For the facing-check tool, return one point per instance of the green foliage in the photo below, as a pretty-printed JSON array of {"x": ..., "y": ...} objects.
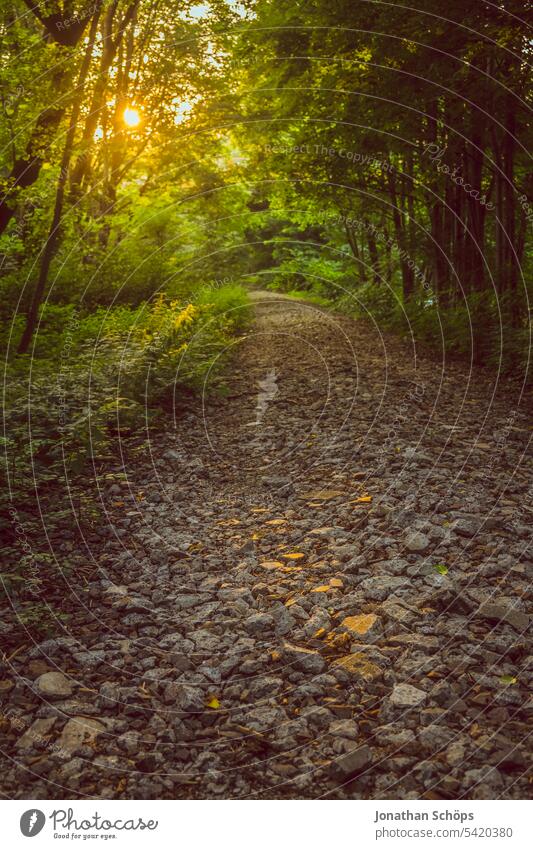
[
  {"x": 175, "y": 344},
  {"x": 94, "y": 375},
  {"x": 309, "y": 297}
]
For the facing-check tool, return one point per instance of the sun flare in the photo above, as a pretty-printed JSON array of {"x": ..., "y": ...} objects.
[{"x": 132, "y": 117}]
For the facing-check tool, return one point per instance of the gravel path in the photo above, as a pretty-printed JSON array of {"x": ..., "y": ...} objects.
[{"x": 314, "y": 586}]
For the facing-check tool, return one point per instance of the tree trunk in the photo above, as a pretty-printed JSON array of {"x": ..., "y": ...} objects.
[
  {"x": 408, "y": 277},
  {"x": 53, "y": 235},
  {"x": 373, "y": 252},
  {"x": 352, "y": 241}
]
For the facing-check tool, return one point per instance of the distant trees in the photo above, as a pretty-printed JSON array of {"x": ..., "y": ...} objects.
[{"x": 427, "y": 115}]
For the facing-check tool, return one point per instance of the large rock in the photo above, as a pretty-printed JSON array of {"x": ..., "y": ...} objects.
[
  {"x": 36, "y": 733},
  {"x": 467, "y": 526},
  {"x": 78, "y": 731},
  {"x": 358, "y": 667},
  {"x": 305, "y": 660},
  {"x": 54, "y": 685},
  {"x": 187, "y": 698},
  {"x": 365, "y": 628},
  {"x": 406, "y": 696},
  {"x": 401, "y": 739},
  {"x": 382, "y": 586},
  {"x": 502, "y": 610},
  {"x": 345, "y": 728},
  {"x": 259, "y": 623},
  {"x": 265, "y": 718},
  {"x": 352, "y": 763},
  {"x": 417, "y": 542}
]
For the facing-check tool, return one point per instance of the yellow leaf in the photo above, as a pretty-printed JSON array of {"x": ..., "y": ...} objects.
[
  {"x": 336, "y": 582},
  {"x": 296, "y": 555},
  {"x": 364, "y": 499},
  {"x": 213, "y": 703},
  {"x": 276, "y": 522},
  {"x": 323, "y": 589}
]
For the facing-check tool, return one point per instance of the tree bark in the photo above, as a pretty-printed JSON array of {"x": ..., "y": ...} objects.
[{"x": 53, "y": 235}]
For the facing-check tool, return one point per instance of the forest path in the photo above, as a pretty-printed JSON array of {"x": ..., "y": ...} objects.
[{"x": 312, "y": 587}]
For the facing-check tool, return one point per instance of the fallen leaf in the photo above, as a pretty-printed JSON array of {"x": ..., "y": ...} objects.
[
  {"x": 295, "y": 555},
  {"x": 336, "y": 582},
  {"x": 213, "y": 703}
]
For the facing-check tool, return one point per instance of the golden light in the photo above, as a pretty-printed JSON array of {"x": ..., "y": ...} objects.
[{"x": 132, "y": 117}]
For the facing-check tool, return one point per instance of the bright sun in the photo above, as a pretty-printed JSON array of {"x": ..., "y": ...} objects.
[{"x": 131, "y": 117}]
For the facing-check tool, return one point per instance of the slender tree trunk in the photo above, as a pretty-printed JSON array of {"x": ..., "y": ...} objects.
[
  {"x": 509, "y": 222},
  {"x": 352, "y": 241},
  {"x": 53, "y": 235},
  {"x": 373, "y": 252},
  {"x": 407, "y": 273}
]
